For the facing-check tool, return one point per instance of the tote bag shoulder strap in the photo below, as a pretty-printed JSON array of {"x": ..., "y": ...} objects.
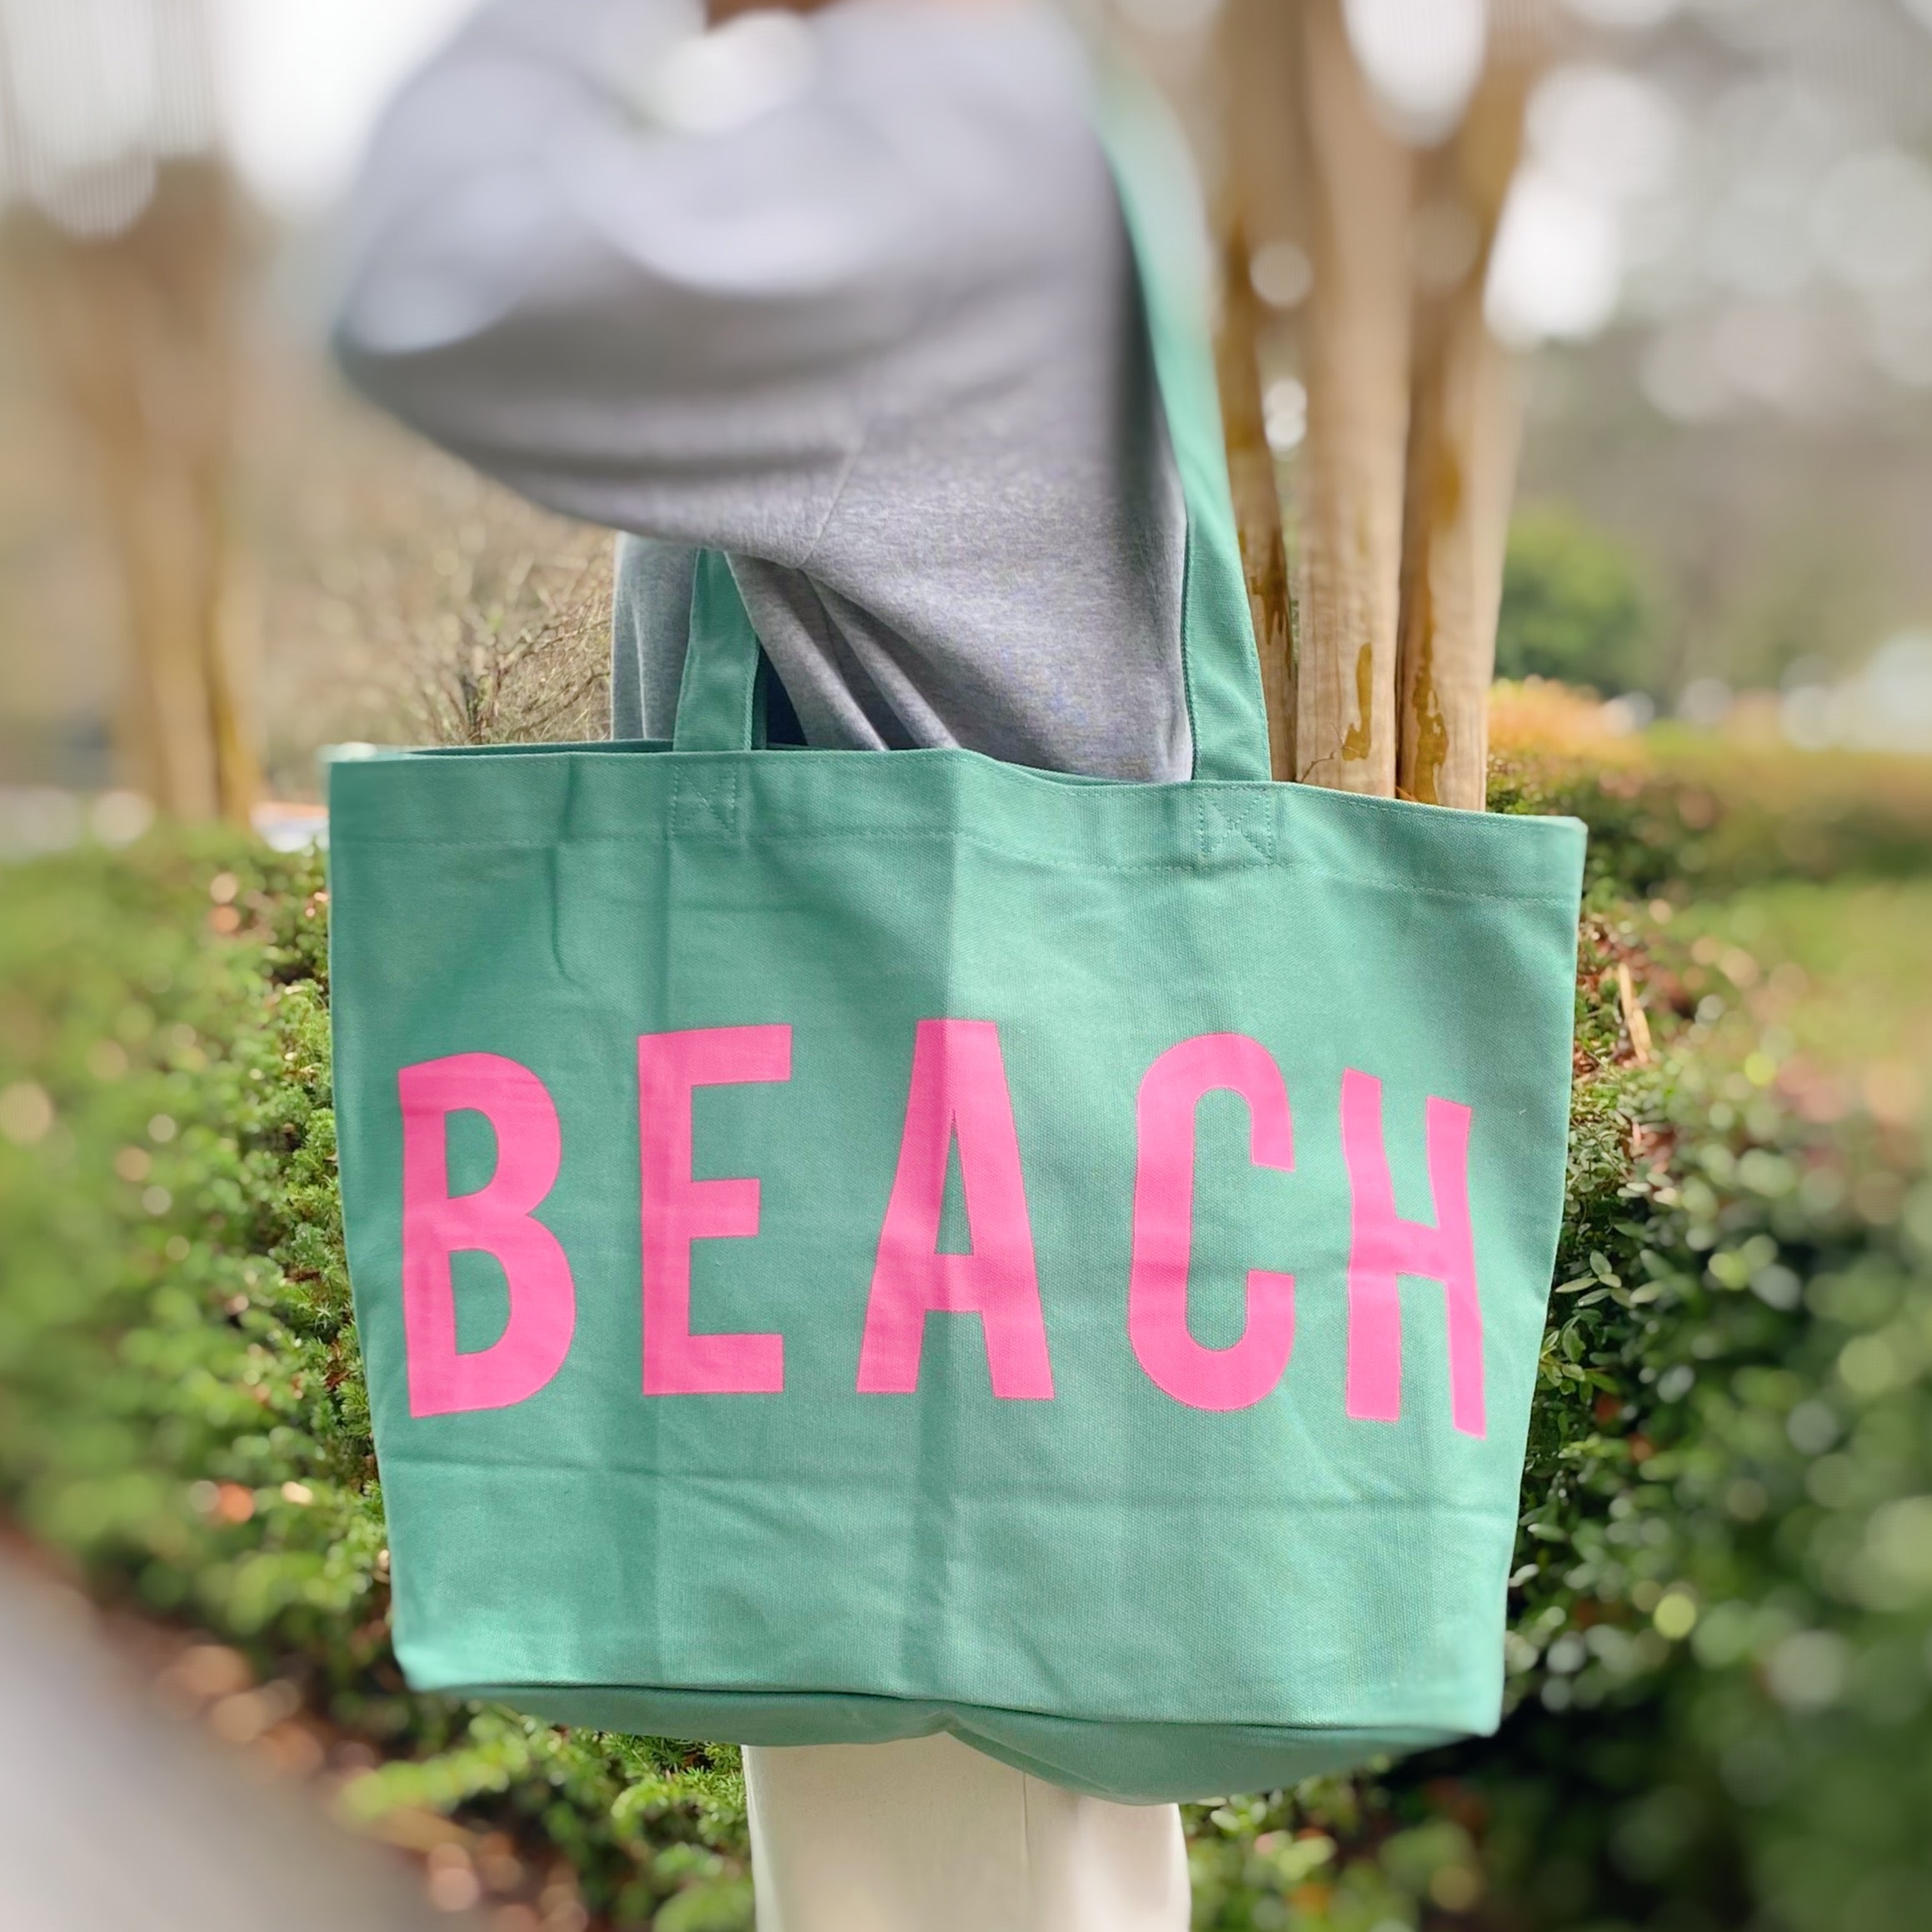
[
  {"x": 721, "y": 697},
  {"x": 720, "y": 703},
  {"x": 1160, "y": 200}
]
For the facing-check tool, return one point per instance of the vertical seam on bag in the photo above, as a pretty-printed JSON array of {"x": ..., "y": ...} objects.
[{"x": 1187, "y": 629}]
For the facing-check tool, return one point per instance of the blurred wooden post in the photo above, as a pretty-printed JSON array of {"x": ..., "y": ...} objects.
[
  {"x": 1260, "y": 198},
  {"x": 1464, "y": 425},
  {"x": 1257, "y": 503},
  {"x": 125, "y": 265},
  {"x": 1402, "y": 486},
  {"x": 1348, "y": 205},
  {"x": 1349, "y": 494},
  {"x": 135, "y": 326}
]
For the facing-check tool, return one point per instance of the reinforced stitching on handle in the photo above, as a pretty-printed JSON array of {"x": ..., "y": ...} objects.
[
  {"x": 1235, "y": 826},
  {"x": 705, "y": 803}
]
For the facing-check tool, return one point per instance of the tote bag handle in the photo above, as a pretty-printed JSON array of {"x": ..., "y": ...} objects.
[{"x": 720, "y": 698}]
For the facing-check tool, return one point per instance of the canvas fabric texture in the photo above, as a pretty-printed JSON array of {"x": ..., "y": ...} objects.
[{"x": 854, "y": 1244}]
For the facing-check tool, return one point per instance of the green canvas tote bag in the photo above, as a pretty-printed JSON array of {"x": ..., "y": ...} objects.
[{"x": 850, "y": 1245}]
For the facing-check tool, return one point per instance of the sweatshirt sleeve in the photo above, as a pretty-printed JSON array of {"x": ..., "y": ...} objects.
[{"x": 660, "y": 280}]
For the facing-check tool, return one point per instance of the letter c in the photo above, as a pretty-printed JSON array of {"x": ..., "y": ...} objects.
[{"x": 1238, "y": 1377}]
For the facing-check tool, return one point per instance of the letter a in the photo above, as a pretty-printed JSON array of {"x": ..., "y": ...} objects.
[
  {"x": 958, "y": 1092},
  {"x": 495, "y": 1220},
  {"x": 1384, "y": 1246},
  {"x": 678, "y": 1211},
  {"x": 1238, "y": 1377}
]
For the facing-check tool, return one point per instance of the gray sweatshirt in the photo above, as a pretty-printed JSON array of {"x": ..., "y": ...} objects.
[{"x": 847, "y": 298}]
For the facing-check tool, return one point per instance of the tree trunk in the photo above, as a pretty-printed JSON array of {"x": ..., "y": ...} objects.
[
  {"x": 1257, "y": 501},
  {"x": 1349, "y": 474},
  {"x": 1402, "y": 486},
  {"x": 1463, "y": 432},
  {"x": 1260, "y": 199},
  {"x": 136, "y": 328}
]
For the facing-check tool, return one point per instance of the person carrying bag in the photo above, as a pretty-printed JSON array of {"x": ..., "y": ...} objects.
[{"x": 865, "y": 1247}]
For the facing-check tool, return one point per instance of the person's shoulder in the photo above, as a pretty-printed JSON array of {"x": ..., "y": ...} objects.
[
  {"x": 1018, "y": 59},
  {"x": 987, "y": 109}
]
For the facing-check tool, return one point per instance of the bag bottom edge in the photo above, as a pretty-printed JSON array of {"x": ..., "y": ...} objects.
[{"x": 1138, "y": 1761}]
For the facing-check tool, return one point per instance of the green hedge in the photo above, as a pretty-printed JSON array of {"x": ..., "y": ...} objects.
[
  {"x": 1719, "y": 1616},
  {"x": 184, "y": 1410},
  {"x": 1687, "y": 811}
]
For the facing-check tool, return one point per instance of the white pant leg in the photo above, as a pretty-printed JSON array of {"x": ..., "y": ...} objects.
[{"x": 929, "y": 1836}]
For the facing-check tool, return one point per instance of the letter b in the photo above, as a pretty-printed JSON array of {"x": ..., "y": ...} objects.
[{"x": 495, "y": 1220}]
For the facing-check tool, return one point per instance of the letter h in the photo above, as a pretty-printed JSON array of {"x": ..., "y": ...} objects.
[{"x": 1383, "y": 1246}]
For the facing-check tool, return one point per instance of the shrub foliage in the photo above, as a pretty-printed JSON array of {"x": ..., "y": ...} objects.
[
  {"x": 1718, "y": 1650},
  {"x": 1573, "y": 606}
]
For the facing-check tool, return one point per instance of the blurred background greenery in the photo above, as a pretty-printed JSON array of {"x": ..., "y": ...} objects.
[
  {"x": 1718, "y": 253},
  {"x": 1721, "y": 1647}
]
